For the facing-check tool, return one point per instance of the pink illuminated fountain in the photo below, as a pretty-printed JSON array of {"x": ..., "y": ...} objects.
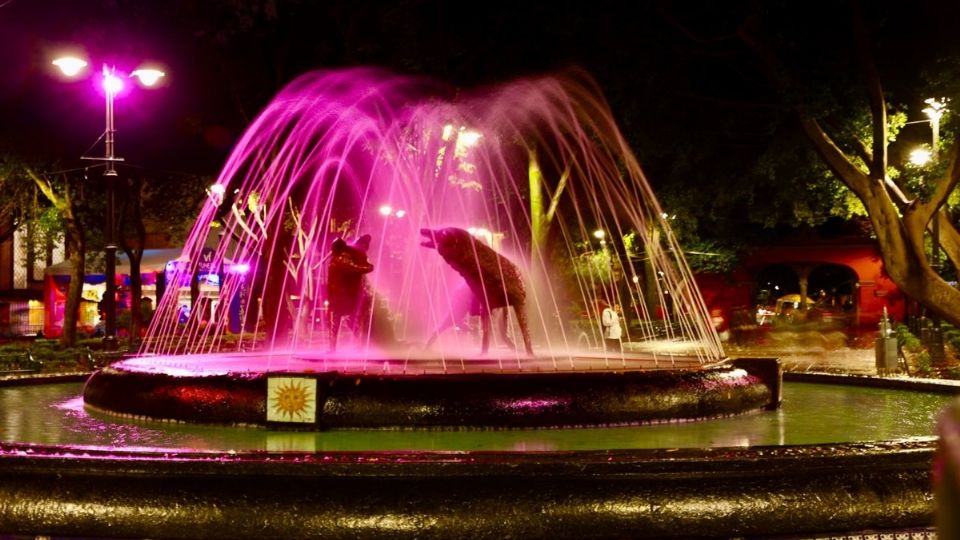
[{"x": 346, "y": 182}]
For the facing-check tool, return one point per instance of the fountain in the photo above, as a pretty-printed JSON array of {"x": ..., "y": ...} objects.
[
  {"x": 409, "y": 283},
  {"x": 371, "y": 211}
]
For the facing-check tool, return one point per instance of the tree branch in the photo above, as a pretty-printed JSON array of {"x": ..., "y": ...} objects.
[
  {"x": 878, "y": 105},
  {"x": 945, "y": 186},
  {"x": 860, "y": 149},
  {"x": 833, "y": 156}
]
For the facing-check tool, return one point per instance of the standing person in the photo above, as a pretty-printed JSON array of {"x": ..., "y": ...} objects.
[
  {"x": 611, "y": 328},
  {"x": 720, "y": 324}
]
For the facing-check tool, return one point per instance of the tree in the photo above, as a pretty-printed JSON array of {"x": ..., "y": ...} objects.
[
  {"x": 162, "y": 200},
  {"x": 62, "y": 210},
  {"x": 68, "y": 201},
  {"x": 861, "y": 162}
]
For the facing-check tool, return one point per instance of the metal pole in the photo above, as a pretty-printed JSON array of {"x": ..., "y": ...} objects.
[
  {"x": 110, "y": 246},
  {"x": 936, "y": 334}
]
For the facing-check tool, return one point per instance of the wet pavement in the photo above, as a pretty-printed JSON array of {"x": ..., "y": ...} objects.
[{"x": 812, "y": 359}]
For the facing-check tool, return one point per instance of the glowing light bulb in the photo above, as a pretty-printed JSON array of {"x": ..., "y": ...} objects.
[
  {"x": 447, "y": 132},
  {"x": 469, "y": 138},
  {"x": 111, "y": 83},
  {"x": 936, "y": 108},
  {"x": 385, "y": 210},
  {"x": 920, "y": 157},
  {"x": 148, "y": 76},
  {"x": 70, "y": 65}
]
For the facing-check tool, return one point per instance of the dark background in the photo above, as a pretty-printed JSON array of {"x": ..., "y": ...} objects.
[{"x": 693, "y": 101}]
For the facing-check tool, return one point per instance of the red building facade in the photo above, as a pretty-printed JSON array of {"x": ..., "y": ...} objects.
[{"x": 860, "y": 286}]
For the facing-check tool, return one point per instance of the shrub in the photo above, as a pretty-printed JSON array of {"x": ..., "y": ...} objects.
[
  {"x": 924, "y": 365},
  {"x": 952, "y": 337},
  {"x": 906, "y": 339}
]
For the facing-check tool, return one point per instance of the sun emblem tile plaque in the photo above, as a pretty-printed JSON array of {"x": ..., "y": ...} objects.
[{"x": 291, "y": 399}]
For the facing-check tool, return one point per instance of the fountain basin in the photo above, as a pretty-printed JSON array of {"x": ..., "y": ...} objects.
[
  {"x": 129, "y": 484},
  {"x": 214, "y": 390},
  {"x": 606, "y": 494}
]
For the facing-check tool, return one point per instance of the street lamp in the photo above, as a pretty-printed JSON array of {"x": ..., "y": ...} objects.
[
  {"x": 112, "y": 82},
  {"x": 920, "y": 157},
  {"x": 935, "y": 110},
  {"x": 601, "y": 235}
]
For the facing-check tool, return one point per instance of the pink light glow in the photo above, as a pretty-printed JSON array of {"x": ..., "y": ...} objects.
[
  {"x": 240, "y": 268},
  {"x": 340, "y": 154},
  {"x": 111, "y": 83}
]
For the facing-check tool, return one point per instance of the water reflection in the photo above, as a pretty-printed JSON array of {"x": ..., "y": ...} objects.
[{"x": 812, "y": 414}]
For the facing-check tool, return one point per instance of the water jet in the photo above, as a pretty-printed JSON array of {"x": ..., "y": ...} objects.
[{"x": 542, "y": 434}]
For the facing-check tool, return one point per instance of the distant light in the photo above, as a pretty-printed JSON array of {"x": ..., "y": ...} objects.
[
  {"x": 400, "y": 213},
  {"x": 385, "y": 210},
  {"x": 635, "y": 279},
  {"x": 240, "y": 268},
  {"x": 111, "y": 83},
  {"x": 936, "y": 108},
  {"x": 664, "y": 215},
  {"x": 468, "y": 137},
  {"x": 447, "y": 132},
  {"x": 600, "y": 234},
  {"x": 70, "y": 65},
  {"x": 215, "y": 192},
  {"x": 148, "y": 76},
  {"x": 920, "y": 157},
  {"x": 482, "y": 233}
]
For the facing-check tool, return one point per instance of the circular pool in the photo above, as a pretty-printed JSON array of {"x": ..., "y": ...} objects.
[
  {"x": 812, "y": 414},
  {"x": 851, "y": 455}
]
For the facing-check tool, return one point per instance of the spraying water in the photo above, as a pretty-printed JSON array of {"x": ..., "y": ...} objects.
[{"x": 350, "y": 171}]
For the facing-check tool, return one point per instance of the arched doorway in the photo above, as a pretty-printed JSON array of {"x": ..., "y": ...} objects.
[
  {"x": 834, "y": 287},
  {"x": 773, "y": 283},
  {"x": 815, "y": 291}
]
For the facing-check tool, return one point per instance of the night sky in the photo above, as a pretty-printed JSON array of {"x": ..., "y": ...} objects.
[{"x": 675, "y": 75}]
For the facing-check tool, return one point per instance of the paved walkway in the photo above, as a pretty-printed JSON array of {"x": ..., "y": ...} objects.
[{"x": 838, "y": 360}]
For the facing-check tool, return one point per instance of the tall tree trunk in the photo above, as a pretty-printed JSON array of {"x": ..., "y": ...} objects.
[
  {"x": 899, "y": 221},
  {"x": 76, "y": 241},
  {"x": 132, "y": 216},
  {"x": 78, "y": 256}
]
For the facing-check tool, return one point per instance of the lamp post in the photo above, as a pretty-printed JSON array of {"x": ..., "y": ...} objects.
[
  {"x": 112, "y": 84},
  {"x": 605, "y": 252},
  {"x": 934, "y": 111}
]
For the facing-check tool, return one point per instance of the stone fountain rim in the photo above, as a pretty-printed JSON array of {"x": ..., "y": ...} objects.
[
  {"x": 672, "y": 492},
  {"x": 907, "y": 448}
]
